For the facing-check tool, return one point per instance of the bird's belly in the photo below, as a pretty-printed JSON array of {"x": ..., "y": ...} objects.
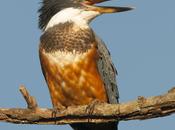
[{"x": 73, "y": 79}]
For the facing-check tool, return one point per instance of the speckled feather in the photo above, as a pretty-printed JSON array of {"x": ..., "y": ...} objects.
[{"x": 63, "y": 37}]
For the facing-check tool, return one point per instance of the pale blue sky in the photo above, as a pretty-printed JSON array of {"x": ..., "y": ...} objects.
[{"x": 142, "y": 44}]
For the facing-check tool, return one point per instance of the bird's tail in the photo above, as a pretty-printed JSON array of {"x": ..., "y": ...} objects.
[{"x": 90, "y": 126}]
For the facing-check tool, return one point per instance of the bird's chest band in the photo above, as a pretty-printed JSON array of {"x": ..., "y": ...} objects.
[{"x": 67, "y": 37}]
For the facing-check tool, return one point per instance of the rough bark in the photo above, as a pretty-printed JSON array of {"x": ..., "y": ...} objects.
[{"x": 139, "y": 109}]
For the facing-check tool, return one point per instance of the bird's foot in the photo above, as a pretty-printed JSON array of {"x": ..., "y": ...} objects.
[
  {"x": 90, "y": 108},
  {"x": 57, "y": 110}
]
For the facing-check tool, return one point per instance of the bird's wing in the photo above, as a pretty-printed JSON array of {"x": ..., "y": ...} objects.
[{"x": 107, "y": 71}]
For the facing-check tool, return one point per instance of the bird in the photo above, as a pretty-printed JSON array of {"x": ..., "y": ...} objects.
[{"x": 75, "y": 62}]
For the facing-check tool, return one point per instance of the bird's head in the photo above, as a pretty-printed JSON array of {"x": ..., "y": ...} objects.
[{"x": 64, "y": 10}]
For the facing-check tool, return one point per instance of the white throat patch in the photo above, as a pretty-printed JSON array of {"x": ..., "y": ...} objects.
[{"x": 78, "y": 16}]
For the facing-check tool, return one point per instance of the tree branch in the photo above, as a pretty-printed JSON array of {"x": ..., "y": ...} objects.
[{"x": 139, "y": 109}]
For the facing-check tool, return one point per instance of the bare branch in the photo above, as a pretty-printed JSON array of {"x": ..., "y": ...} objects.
[
  {"x": 139, "y": 109},
  {"x": 31, "y": 101}
]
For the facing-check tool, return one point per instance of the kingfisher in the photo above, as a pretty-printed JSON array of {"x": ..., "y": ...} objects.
[{"x": 75, "y": 62}]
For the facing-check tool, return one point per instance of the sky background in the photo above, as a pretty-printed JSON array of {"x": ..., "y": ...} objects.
[{"x": 142, "y": 44}]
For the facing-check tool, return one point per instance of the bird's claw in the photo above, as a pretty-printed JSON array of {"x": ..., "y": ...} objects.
[
  {"x": 90, "y": 108},
  {"x": 57, "y": 110}
]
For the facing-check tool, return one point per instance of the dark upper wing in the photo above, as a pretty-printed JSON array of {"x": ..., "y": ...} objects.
[{"x": 107, "y": 71}]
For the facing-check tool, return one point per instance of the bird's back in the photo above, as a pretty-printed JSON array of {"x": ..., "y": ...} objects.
[{"x": 107, "y": 71}]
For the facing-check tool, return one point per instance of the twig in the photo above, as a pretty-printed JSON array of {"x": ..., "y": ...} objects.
[
  {"x": 31, "y": 101},
  {"x": 139, "y": 109}
]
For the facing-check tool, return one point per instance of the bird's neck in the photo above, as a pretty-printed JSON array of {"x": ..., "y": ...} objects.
[{"x": 77, "y": 16}]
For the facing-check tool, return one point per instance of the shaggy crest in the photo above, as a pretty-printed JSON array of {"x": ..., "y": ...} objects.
[{"x": 50, "y": 7}]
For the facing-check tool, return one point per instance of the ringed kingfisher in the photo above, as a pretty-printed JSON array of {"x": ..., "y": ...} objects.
[{"x": 75, "y": 62}]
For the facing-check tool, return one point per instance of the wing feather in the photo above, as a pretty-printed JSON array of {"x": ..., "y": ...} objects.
[{"x": 107, "y": 71}]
